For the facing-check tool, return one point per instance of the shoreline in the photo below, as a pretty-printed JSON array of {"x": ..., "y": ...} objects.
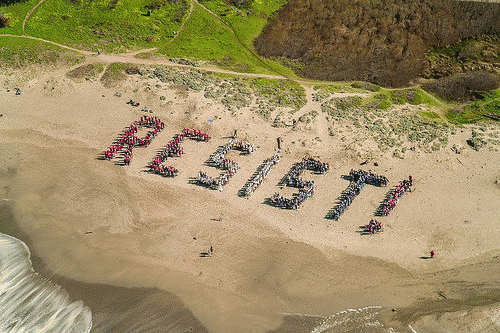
[
  {"x": 118, "y": 308},
  {"x": 113, "y": 308}
]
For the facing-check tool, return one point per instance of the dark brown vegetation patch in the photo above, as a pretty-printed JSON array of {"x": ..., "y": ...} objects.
[
  {"x": 470, "y": 54},
  {"x": 112, "y": 4},
  {"x": 157, "y": 4},
  {"x": 380, "y": 41},
  {"x": 117, "y": 72},
  {"x": 9, "y": 2},
  {"x": 4, "y": 20},
  {"x": 89, "y": 71},
  {"x": 132, "y": 70},
  {"x": 464, "y": 86},
  {"x": 239, "y": 3}
]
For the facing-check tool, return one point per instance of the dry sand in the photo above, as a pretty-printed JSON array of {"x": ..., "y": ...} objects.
[{"x": 147, "y": 231}]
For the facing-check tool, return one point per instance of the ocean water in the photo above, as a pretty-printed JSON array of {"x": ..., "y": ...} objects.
[{"x": 30, "y": 303}]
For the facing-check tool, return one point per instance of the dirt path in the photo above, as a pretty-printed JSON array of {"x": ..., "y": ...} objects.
[
  {"x": 310, "y": 104},
  {"x": 50, "y": 42},
  {"x": 183, "y": 23},
  {"x": 30, "y": 13},
  {"x": 131, "y": 58}
]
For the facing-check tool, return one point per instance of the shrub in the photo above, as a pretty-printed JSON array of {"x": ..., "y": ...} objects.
[
  {"x": 4, "y": 20},
  {"x": 112, "y": 4},
  {"x": 464, "y": 86},
  {"x": 476, "y": 143},
  {"x": 366, "y": 86},
  {"x": 240, "y": 3},
  {"x": 157, "y": 4},
  {"x": 9, "y": 2}
]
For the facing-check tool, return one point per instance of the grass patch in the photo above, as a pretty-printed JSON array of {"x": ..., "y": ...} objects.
[
  {"x": 413, "y": 96},
  {"x": 247, "y": 23},
  {"x": 429, "y": 114},
  {"x": 22, "y": 52},
  {"x": 486, "y": 98},
  {"x": 205, "y": 37},
  {"x": 122, "y": 25},
  {"x": 366, "y": 86},
  {"x": 487, "y": 105},
  {"x": 401, "y": 96},
  {"x": 16, "y": 14},
  {"x": 285, "y": 93},
  {"x": 109, "y": 25},
  {"x": 492, "y": 108},
  {"x": 332, "y": 88},
  {"x": 465, "y": 116},
  {"x": 384, "y": 105}
]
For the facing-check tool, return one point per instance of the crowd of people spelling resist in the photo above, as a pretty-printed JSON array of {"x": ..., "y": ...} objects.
[
  {"x": 261, "y": 174},
  {"x": 230, "y": 167},
  {"x": 173, "y": 149},
  {"x": 125, "y": 144},
  {"x": 358, "y": 179},
  {"x": 392, "y": 198},
  {"x": 292, "y": 178}
]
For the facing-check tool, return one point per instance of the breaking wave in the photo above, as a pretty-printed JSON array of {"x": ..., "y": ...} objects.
[
  {"x": 30, "y": 303},
  {"x": 354, "y": 320},
  {"x": 363, "y": 320}
]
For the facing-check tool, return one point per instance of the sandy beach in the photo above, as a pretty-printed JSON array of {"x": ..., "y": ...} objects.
[{"x": 91, "y": 222}]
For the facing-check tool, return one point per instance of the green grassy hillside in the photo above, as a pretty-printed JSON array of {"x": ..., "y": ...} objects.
[
  {"x": 223, "y": 36},
  {"x": 20, "y": 53},
  {"x": 109, "y": 25}
]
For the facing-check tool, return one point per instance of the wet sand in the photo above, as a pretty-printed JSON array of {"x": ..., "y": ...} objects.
[{"x": 114, "y": 309}]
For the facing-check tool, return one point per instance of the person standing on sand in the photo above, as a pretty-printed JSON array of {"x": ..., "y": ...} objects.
[{"x": 432, "y": 254}]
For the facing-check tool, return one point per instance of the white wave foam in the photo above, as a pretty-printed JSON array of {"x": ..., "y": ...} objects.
[
  {"x": 353, "y": 320},
  {"x": 30, "y": 303},
  {"x": 412, "y": 330}
]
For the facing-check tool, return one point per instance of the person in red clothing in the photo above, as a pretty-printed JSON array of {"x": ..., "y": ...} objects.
[{"x": 432, "y": 254}]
